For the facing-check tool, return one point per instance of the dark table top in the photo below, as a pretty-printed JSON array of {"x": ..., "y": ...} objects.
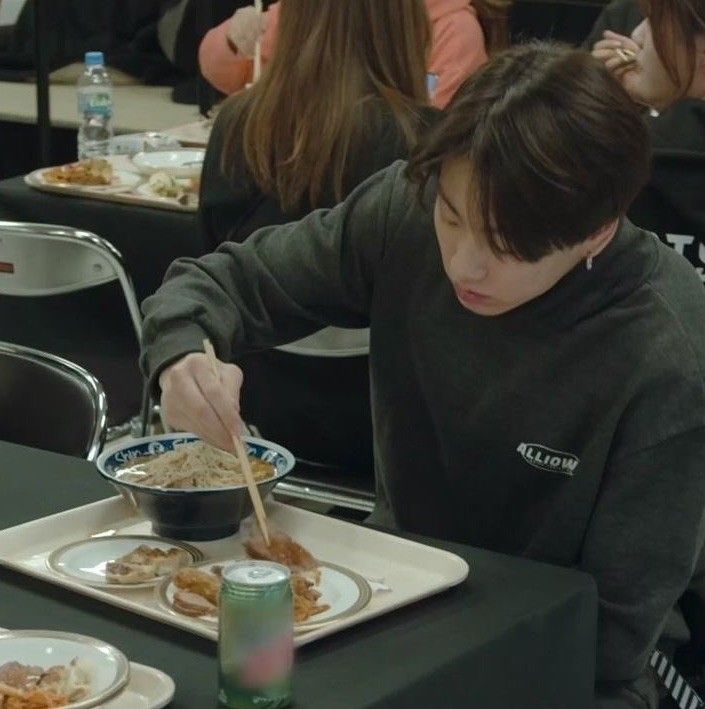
[{"x": 515, "y": 633}]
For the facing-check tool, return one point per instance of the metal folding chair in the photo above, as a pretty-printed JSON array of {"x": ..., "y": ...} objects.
[
  {"x": 45, "y": 260},
  {"x": 51, "y": 403}
]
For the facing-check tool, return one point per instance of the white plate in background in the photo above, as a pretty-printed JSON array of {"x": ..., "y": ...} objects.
[
  {"x": 149, "y": 688},
  {"x": 186, "y": 162},
  {"x": 123, "y": 181}
]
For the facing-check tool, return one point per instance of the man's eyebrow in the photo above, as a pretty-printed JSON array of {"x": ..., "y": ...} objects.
[{"x": 449, "y": 204}]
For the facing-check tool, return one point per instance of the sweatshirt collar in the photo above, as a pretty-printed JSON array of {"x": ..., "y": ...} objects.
[{"x": 620, "y": 269}]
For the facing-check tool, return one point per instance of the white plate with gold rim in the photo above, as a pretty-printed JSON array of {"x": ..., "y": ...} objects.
[
  {"x": 147, "y": 687},
  {"x": 86, "y": 561},
  {"x": 105, "y": 667},
  {"x": 344, "y": 591}
]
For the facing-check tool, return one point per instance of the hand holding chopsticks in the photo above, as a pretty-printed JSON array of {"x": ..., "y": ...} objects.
[{"x": 243, "y": 457}]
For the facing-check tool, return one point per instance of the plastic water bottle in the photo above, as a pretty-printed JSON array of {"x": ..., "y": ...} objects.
[
  {"x": 431, "y": 85},
  {"x": 95, "y": 108}
]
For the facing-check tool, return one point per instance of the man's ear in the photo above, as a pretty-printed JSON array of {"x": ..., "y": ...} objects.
[{"x": 599, "y": 240}]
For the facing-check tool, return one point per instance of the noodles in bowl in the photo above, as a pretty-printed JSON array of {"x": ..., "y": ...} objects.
[
  {"x": 192, "y": 465},
  {"x": 187, "y": 489}
]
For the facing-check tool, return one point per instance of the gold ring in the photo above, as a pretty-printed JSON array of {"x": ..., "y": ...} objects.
[{"x": 626, "y": 55}]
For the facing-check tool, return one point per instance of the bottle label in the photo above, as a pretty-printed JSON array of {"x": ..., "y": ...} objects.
[
  {"x": 268, "y": 662},
  {"x": 96, "y": 103}
]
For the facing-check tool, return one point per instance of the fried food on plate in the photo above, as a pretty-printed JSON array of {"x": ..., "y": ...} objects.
[
  {"x": 282, "y": 549},
  {"x": 95, "y": 172},
  {"x": 145, "y": 563},
  {"x": 199, "y": 582}
]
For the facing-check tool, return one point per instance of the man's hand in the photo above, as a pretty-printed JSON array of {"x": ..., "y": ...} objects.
[{"x": 195, "y": 399}]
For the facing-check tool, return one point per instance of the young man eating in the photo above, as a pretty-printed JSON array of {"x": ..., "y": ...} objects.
[{"x": 526, "y": 393}]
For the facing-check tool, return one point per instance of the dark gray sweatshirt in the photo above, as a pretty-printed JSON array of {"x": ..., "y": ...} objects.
[{"x": 570, "y": 430}]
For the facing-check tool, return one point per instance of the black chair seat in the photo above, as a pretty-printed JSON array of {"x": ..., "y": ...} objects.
[
  {"x": 49, "y": 403},
  {"x": 90, "y": 328}
]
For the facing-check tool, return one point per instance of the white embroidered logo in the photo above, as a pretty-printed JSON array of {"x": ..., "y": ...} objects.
[{"x": 548, "y": 459}]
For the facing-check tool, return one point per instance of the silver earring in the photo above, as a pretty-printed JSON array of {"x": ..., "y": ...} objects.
[{"x": 588, "y": 262}]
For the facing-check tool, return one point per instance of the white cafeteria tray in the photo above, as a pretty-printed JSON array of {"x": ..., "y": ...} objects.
[
  {"x": 413, "y": 571},
  {"x": 136, "y": 195}
]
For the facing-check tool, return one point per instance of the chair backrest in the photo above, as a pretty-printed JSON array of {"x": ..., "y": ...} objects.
[
  {"x": 45, "y": 259},
  {"x": 48, "y": 402}
]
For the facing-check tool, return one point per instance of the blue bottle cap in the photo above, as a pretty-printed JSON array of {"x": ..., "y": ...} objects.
[
  {"x": 95, "y": 59},
  {"x": 431, "y": 84}
]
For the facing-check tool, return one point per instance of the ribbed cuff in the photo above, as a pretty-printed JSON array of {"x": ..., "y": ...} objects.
[{"x": 169, "y": 347}]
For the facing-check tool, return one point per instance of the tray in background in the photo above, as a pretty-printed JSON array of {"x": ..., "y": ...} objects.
[{"x": 137, "y": 193}]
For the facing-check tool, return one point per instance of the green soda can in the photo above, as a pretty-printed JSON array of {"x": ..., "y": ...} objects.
[{"x": 256, "y": 636}]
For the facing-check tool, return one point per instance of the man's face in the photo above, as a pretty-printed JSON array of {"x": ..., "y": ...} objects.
[
  {"x": 649, "y": 79},
  {"x": 484, "y": 283}
]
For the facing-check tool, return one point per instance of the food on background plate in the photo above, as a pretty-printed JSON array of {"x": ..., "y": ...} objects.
[
  {"x": 32, "y": 687},
  {"x": 95, "y": 172},
  {"x": 192, "y": 465},
  {"x": 165, "y": 185},
  {"x": 144, "y": 564}
]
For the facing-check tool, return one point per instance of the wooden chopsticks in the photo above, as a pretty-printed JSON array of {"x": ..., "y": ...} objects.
[
  {"x": 257, "y": 66},
  {"x": 242, "y": 455}
]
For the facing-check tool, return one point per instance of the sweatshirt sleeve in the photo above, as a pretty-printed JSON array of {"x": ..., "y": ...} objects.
[
  {"x": 642, "y": 546},
  {"x": 281, "y": 284},
  {"x": 458, "y": 51},
  {"x": 224, "y": 68}
]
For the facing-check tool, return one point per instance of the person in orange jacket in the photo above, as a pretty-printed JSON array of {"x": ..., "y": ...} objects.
[{"x": 463, "y": 35}]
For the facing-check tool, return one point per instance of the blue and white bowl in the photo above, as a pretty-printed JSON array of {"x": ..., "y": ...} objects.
[{"x": 196, "y": 514}]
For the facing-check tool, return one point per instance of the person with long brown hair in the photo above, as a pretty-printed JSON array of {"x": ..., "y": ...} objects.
[
  {"x": 657, "y": 51},
  {"x": 464, "y": 33},
  {"x": 343, "y": 96},
  {"x": 664, "y": 59}
]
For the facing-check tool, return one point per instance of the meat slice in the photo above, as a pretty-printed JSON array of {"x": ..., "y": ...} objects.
[
  {"x": 192, "y": 604},
  {"x": 20, "y": 676},
  {"x": 282, "y": 549}
]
